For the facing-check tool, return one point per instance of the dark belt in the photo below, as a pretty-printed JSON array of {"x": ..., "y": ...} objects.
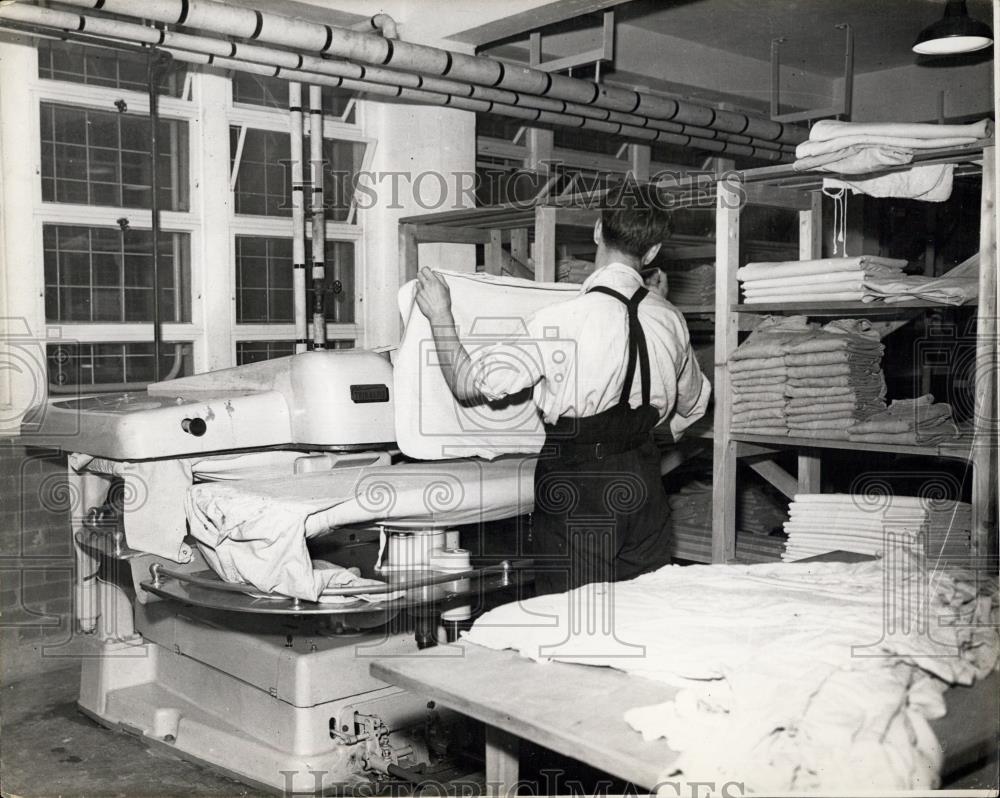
[{"x": 568, "y": 451}]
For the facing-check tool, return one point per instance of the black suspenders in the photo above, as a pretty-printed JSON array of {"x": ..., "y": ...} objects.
[{"x": 637, "y": 350}]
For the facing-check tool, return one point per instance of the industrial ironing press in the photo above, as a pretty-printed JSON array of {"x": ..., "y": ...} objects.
[{"x": 269, "y": 684}]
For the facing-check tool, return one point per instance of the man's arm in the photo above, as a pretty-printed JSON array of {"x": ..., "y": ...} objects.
[{"x": 434, "y": 300}]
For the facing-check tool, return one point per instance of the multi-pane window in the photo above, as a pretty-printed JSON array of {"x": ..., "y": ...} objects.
[
  {"x": 99, "y": 66},
  {"x": 105, "y": 274},
  {"x": 255, "y": 351},
  {"x": 273, "y": 93},
  {"x": 264, "y": 293},
  {"x": 113, "y": 364},
  {"x": 263, "y": 173},
  {"x": 92, "y": 157}
]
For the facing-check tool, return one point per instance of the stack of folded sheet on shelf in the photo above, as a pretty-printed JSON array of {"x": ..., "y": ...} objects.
[
  {"x": 875, "y": 525},
  {"x": 821, "y": 280},
  {"x": 858, "y": 148},
  {"x": 758, "y": 514},
  {"x": 692, "y": 286},
  {"x": 955, "y": 287},
  {"x": 794, "y": 378},
  {"x": 919, "y": 421}
]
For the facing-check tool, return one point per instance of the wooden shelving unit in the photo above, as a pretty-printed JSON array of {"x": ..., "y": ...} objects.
[
  {"x": 516, "y": 227},
  {"x": 977, "y": 447}
]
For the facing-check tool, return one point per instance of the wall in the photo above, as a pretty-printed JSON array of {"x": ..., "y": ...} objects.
[
  {"x": 36, "y": 561},
  {"x": 911, "y": 93},
  {"x": 422, "y": 157}
]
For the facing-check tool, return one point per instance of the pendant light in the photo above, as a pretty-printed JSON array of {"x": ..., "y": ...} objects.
[{"x": 955, "y": 32}]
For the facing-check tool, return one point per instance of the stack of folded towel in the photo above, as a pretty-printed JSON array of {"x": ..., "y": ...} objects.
[
  {"x": 794, "y": 378},
  {"x": 758, "y": 514},
  {"x": 692, "y": 286},
  {"x": 918, "y": 421},
  {"x": 822, "y": 280},
  {"x": 825, "y": 522},
  {"x": 856, "y": 148}
]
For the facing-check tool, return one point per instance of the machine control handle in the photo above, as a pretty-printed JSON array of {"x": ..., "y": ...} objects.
[{"x": 194, "y": 426}]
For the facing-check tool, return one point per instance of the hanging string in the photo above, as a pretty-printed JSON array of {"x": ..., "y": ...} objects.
[{"x": 839, "y": 197}]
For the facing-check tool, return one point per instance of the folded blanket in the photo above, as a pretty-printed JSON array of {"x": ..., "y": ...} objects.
[
  {"x": 760, "y": 430},
  {"x": 743, "y": 408},
  {"x": 827, "y": 129},
  {"x": 855, "y": 159},
  {"x": 758, "y": 396},
  {"x": 831, "y": 423},
  {"x": 854, "y": 360},
  {"x": 829, "y": 397},
  {"x": 798, "y": 393},
  {"x": 820, "y": 434},
  {"x": 757, "y": 364},
  {"x": 869, "y": 264},
  {"x": 768, "y": 414},
  {"x": 820, "y": 409},
  {"x": 808, "y": 148}
]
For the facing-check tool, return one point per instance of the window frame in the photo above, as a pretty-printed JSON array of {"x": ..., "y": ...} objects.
[
  {"x": 275, "y": 120},
  {"x": 209, "y": 274}
]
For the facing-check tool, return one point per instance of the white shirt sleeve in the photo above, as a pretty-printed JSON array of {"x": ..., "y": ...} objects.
[{"x": 693, "y": 393}]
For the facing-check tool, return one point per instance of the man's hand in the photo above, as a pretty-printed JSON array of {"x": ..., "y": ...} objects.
[{"x": 433, "y": 297}]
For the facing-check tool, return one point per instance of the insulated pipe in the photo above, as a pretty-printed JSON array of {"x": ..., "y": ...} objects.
[
  {"x": 298, "y": 217},
  {"x": 326, "y": 40},
  {"x": 496, "y": 101},
  {"x": 318, "y": 217},
  {"x": 465, "y": 104}
]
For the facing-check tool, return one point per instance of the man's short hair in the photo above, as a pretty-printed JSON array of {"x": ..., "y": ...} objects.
[{"x": 632, "y": 221}]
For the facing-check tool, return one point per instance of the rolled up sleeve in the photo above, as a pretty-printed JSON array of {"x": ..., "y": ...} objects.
[
  {"x": 502, "y": 369},
  {"x": 693, "y": 393}
]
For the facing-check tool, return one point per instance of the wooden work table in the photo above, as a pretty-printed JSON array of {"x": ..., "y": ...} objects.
[
  {"x": 574, "y": 710},
  {"x": 577, "y": 711}
]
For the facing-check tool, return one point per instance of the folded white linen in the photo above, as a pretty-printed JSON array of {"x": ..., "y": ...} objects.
[
  {"x": 804, "y": 279},
  {"x": 856, "y": 159},
  {"x": 831, "y": 287},
  {"x": 827, "y": 129},
  {"x": 807, "y": 148},
  {"x": 840, "y": 296},
  {"x": 869, "y": 264}
]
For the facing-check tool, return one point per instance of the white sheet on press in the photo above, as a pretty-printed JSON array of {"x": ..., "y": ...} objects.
[
  {"x": 255, "y": 531},
  {"x": 430, "y": 423},
  {"x": 776, "y": 693},
  {"x": 155, "y": 491}
]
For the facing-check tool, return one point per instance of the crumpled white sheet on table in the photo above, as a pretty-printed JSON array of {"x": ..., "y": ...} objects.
[{"x": 790, "y": 681}]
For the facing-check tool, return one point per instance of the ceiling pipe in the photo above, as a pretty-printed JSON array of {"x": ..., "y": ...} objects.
[
  {"x": 378, "y": 80},
  {"x": 328, "y": 40}
]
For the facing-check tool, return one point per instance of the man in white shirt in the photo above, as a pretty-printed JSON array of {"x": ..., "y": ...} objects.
[{"x": 600, "y": 509}]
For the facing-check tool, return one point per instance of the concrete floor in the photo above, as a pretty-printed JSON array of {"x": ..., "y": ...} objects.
[{"x": 49, "y": 748}]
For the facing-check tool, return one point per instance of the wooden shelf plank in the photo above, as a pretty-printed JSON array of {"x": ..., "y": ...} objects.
[{"x": 960, "y": 449}]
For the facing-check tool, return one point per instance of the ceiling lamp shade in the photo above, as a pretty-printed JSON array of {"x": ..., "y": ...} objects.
[{"x": 955, "y": 32}]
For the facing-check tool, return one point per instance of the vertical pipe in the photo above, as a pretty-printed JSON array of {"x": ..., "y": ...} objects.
[
  {"x": 318, "y": 217},
  {"x": 153, "y": 74},
  {"x": 298, "y": 217}
]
